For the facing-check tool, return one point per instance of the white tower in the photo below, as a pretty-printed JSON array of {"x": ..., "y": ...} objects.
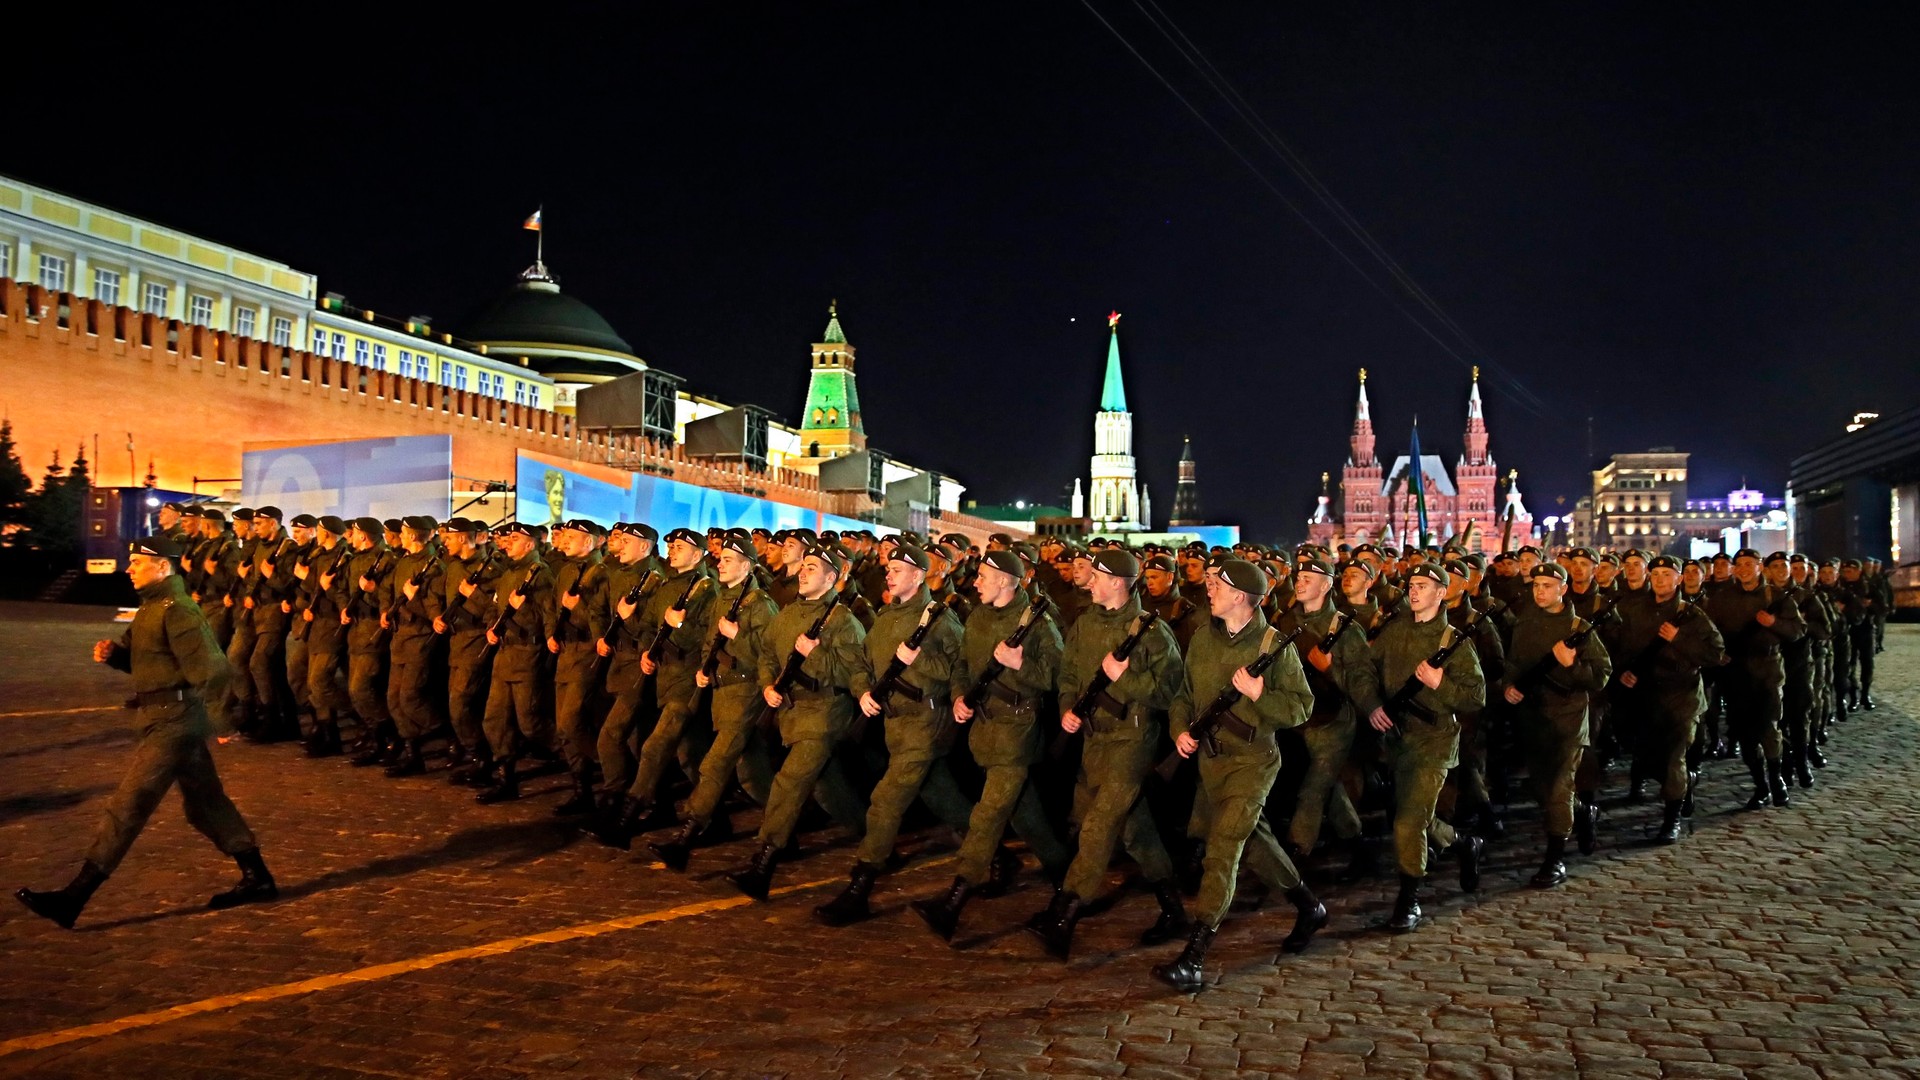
[{"x": 1113, "y": 496}]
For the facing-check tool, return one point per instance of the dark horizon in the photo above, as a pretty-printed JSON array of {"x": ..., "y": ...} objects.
[{"x": 1695, "y": 228}]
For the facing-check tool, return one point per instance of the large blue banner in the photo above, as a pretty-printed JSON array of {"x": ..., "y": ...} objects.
[
  {"x": 381, "y": 478},
  {"x": 550, "y": 490}
]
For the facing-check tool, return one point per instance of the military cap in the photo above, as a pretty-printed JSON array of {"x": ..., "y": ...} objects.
[
  {"x": 517, "y": 528},
  {"x": 1157, "y": 562},
  {"x": 191, "y": 510},
  {"x": 947, "y": 551},
  {"x": 1118, "y": 562},
  {"x": 1313, "y": 564},
  {"x": 1005, "y": 561},
  {"x": 421, "y": 523},
  {"x": 269, "y": 512},
  {"x": 762, "y": 531},
  {"x": 1245, "y": 577},
  {"x": 1719, "y": 555},
  {"x": 1003, "y": 539},
  {"x": 391, "y": 525},
  {"x": 1798, "y": 557},
  {"x": 740, "y": 544},
  {"x": 1431, "y": 571},
  {"x": 573, "y": 525},
  {"x": 1075, "y": 551},
  {"x": 160, "y": 547},
  {"x": 1583, "y": 553},
  {"x": 828, "y": 536},
  {"x": 956, "y": 538},
  {"x": 1458, "y": 568},
  {"x": 806, "y": 537},
  {"x": 1609, "y": 557},
  {"x": 1855, "y": 563},
  {"x": 1027, "y": 552},
  {"x": 1365, "y": 549},
  {"x": 1695, "y": 563},
  {"x": 211, "y": 514},
  {"x": 1357, "y": 564},
  {"x": 242, "y": 514},
  {"x": 1746, "y": 553},
  {"x": 304, "y": 521},
  {"x": 715, "y": 531},
  {"x": 457, "y": 525},
  {"x": 334, "y": 525},
  {"x": 372, "y": 526},
  {"x": 688, "y": 535},
  {"x": 1663, "y": 562},
  {"x": 1505, "y": 556},
  {"x": 1475, "y": 560},
  {"x": 640, "y": 529},
  {"x": 1634, "y": 553},
  {"x": 1549, "y": 569},
  {"x": 1389, "y": 551},
  {"x": 1534, "y": 549},
  {"x": 907, "y": 553},
  {"x": 1774, "y": 557},
  {"x": 829, "y": 555},
  {"x": 911, "y": 536}
]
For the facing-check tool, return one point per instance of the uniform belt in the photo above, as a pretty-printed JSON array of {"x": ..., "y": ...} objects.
[
  {"x": 730, "y": 678},
  {"x": 1002, "y": 694},
  {"x": 163, "y": 697},
  {"x": 1105, "y": 702},
  {"x": 909, "y": 691}
]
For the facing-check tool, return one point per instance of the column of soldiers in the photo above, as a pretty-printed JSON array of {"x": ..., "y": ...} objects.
[{"x": 1032, "y": 693}]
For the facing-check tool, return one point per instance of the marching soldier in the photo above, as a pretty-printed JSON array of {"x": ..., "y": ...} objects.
[
  {"x": 267, "y": 605},
  {"x": 1755, "y": 619},
  {"x": 458, "y": 607},
  {"x": 1123, "y": 732},
  {"x": 1344, "y": 686},
  {"x": 326, "y": 594},
  {"x": 519, "y": 624},
  {"x": 633, "y": 575},
  {"x": 1796, "y": 694},
  {"x": 735, "y": 635},
  {"x": 1428, "y": 732},
  {"x": 1549, "y": 678},
  {"x": 365, "y": 581},
  {"x": 1663, "y": 643},
  {"x": 1863, "y": 611},
  {"x": 414, "y": 652},
  {"x": 919, "y": 728},
  {"x": 177, "y": 668},
  {"x": 815, "y": 713},
  {"x": 579, "y": 619},
  {"x": 1242, "y": 759}
]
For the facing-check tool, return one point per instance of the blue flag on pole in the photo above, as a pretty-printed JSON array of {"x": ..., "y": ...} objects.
[{"x": 1419, "y": 481}]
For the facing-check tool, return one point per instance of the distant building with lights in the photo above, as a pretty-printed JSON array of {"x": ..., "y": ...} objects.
[{"x": 1641, "y": 500}]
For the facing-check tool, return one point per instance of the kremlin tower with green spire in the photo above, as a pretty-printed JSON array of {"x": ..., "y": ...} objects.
[
  {"x": 830, "y": 424},
  {"x": 1113, "y": 496}
]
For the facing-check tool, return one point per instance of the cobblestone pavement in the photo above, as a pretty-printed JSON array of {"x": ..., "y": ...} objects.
[{"x": 1778, "y": 944}]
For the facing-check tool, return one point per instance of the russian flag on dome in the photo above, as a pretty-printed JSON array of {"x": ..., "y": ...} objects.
[{"x": 532, "y": 222}]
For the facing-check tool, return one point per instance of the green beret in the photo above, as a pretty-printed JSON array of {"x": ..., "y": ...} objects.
[
  {"x": 159, "y": 547},
  {"x": 912, "y": 556},
  {"x": 334, "y": 525},
  {"x": 1116, "y": 561},
  {"x": 739, "y": 545},
  {"x": 1312, "y": 564},
  {"x": 1245, "y": 577},
  {"x": 1431, "y": 571},
  {"x": 1667, "y": 562},
  {"x": 1006, "y": 562},
  {"x": 1550, "y": 569}
]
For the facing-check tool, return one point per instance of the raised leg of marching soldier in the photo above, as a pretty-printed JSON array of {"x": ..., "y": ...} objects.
[
  {"x": 1199, "y": 824},
  {"x": 577, "y": 684},
  {"x": 1753, "y": 719},
  {"x": 1553, "y": 760},
  {"x": 511, "y": 705},
  {"x": 678, "y": 734},
  {"x": 737, "y": 751},
  {"x": 1862, "y": 647},
  {"x": 1822, "y": 716},
  {"x": 1113, "y": 769},
  {"x": 266, "y": 666},
  {"x": 1419, "y": 759},
  {"x": 414, "y": 716},
  {"x": 299, "y": 695},
  {"x": 617, "y": 732},
  {"x": 1670, "y": 736},
  {"x": 1323, "y": 797},
  {"x": 1796, "y": 718},
  {"x": 367, "y": 661}
]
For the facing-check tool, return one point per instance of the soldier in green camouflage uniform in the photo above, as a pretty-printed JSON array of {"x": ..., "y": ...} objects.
[
  {"x": 1241, "y": 759},
  {"x": 1425, "y": 743},
  {"x": 1755, "y": 619},
  {"x": 366, "y": 572},
  {"x": 817, "y": 711},
  {"x": 177, "y": 667},
  {"x": 635, "y": 573},
  {"x": 1123, "y": 733},
  {"x": 458, "y": 608},
  {"x": 326, "y": 596},
  {"x": 1663, "y": 643},
  {"x": 1345, "y": 686},
  {"x": 415, "y": 652},
  {"x": 519, "y": 624},
  {"x": 675, "y": 635},
  {"x": 919, "y": 727},
  {"x": 579, "y": 617}
]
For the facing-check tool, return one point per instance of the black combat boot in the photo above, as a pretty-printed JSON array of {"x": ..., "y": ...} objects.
[
  {"x": 412, "y": 762},
  {"x": 1309, "y": 916},
  {"x": 1866, "y": 696},
  {"x": 1173, "y": 916},
  {"x": 1585, "y": 819},
  {"x": 254, "y": 887},
  {"x": 476, "y": 772},
  {"x": 1000, "y": 872},
  {"x": 1814, "y": 757},
  {"x": 378, "y": 746},
  {"x": 1185, "y": 974},
  {"x": 1468, "y": 849},
  {"x": 1360, "y": 862},
  {"x": 505, "y": 789},
  {"x": 1801, "y": 770},
  {"x": 1686, "y": 801},
  {"x": 1406, "y": 906},
  {"x": 1636, "y": 792},
  {"x": 678, "y": 848},
  {"x": 757, "y": 878},
  {"x": 1195, "y": 865},
  {"x": 64, "y": 905},
  {"x": 1761, "y": 790},
  {"x": 1776, "y": 784},
  {"x": 324, "y": 740},
  {"x": 1039, "y": 921},
  {"x": 943, "y": 915},
  {"x": 617, "y": 829},
  {"x": 582, "y": 801},
  {"x": 851, "y": 905},
  {"x": 1553, "y": 869},
  {"x": 1670, "y": 823},
  {"x": 1058, "y": 935}
]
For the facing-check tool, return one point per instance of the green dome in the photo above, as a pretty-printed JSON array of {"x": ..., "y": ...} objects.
[{"x": 536, "y": 312}]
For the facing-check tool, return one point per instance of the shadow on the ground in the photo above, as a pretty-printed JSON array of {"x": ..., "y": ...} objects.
[
  {"x": 500, "y": 846},
  {"x": 97, "y": 738},
  {"x": 20, "y": 806}
]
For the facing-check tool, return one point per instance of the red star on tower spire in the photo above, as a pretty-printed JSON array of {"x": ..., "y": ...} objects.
[{"x": 1113, "y": 320}]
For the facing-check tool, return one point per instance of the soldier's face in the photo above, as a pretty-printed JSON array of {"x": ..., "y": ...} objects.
[
  {"x": 1108, "y": 590},
  {"x": 1311, "y": 588},
  {"x": 1692, "y": 576},
  {"x": 303, "y": 534},
  {"x": 1778, "y": 574},
  {"x": 816, "y": 578},
  {"x": 517, "y": 545},
  {"x": 169, "y": 517},
  {"x": 793, "y": 551},
  {"x": 358, "y": 541},
  {"x": 1158, "y": 581},
  {"x": 903, "y": 579},
  {"x": 1720, "y": 570},
  {"x": 1604, "y": 573},
  {"x": 1746, "y": 569},
  {"x": 1424, "y": 595},
  {"x": 1548, "y": 591},
  {"x": 1355, "y": 580},
  {"x": 144, "y": 570},
  {"x": 1827, "y": 576},
  {"x": 1664, "y": 581},
  {"x": 1799, "y": 573},
  {"x": 1082, "y": 574},
  {"x": 1635, "y": 572},
  {"x": 734, "y": 567},
  {"x": 1850, "y": 573},
  {"x": 1580, "y": 570},
  {"x": 684, "y": 554}
]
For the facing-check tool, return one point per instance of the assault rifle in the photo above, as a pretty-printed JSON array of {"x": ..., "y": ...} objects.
[
  {"x": 1544, "y": 666},
  {"x": 1401, "y": 705},
  {"x": 635, "y": 596},
  {"x": 710, "y": 660},
  {"x": 1096, "y": 687},
  {"x": 790, "y": 671},
  {"x": 661, "y": 633},
  {"x": 1029, "y": 618},
  {"x": 1206, "y": 729}
]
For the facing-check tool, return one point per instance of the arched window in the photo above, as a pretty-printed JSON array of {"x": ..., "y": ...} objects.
[
  {"x": 818, "y": 415},
  {"x": 833, "y": 416}
]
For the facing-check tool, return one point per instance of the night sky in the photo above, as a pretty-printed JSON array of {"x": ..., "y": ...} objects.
[{"x": 1697, "y": 227}]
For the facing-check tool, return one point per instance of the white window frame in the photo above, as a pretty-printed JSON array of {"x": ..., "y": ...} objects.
[
  {"x": 6, "y": 258},
  {"x": 200, "y": 309},
  {"x": 379, "y": 356},
  {"x": 339, "y": 345},
  {"x": 53, "y": 272},
  {"x": 155, "y": 298},
  {"x": 245, "y": 321},
  {"x": 360, "y": 351},
  {"x": 106, "y": 286},
  {"x": 282, "y": 331}
]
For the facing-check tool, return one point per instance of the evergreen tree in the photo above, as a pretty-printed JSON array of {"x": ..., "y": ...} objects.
[
  {"x": 55, "y": 511},
  {"x": 15, "y": 485}
]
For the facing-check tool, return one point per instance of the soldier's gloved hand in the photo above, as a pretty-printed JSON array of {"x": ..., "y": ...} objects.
[{"x": 869, "y": 706}]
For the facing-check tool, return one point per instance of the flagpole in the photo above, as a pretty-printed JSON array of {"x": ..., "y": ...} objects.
[{"x": 540, "y": 239}]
